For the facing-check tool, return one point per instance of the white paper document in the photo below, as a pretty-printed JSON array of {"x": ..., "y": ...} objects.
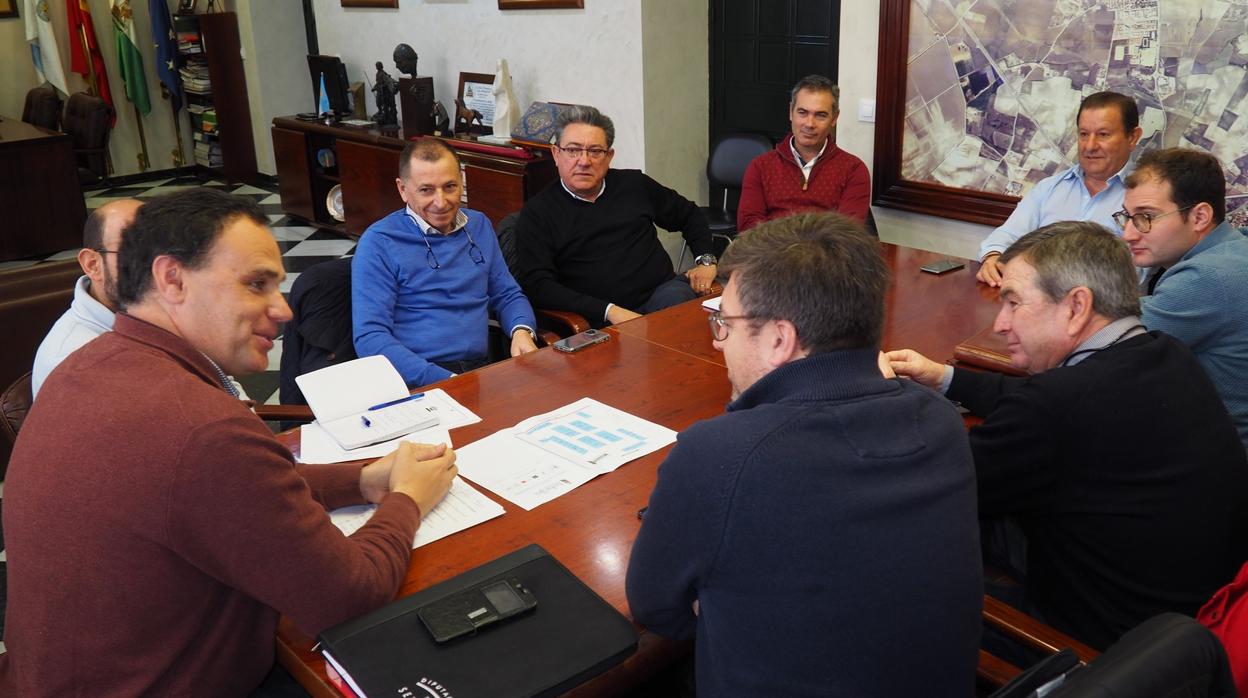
[
  {"x": 712, "y": 304},
  {"x": 552, "y": 454},
  {"x": 317, "y": 446},
  {"x": 463, "y": 508}
]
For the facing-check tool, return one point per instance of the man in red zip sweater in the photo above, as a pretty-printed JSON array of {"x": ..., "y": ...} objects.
[{"x": 806, "y": 171}]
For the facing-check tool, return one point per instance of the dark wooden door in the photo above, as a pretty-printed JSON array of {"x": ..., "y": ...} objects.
[{"x": 759, "y": 48}]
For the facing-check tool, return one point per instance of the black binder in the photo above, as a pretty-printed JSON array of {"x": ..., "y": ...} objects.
[{"x": 572, "y": 636}]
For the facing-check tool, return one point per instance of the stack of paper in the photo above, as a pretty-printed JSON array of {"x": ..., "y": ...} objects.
[
  {"x": 552, "y": 454},
  {"x": 463, "y": 507}
]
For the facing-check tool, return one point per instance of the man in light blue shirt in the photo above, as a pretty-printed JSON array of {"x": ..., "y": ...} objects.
[
  {"x": 95, "y": 295},
  {"x": 1109, "y": 129},
  {"x": 1173, "y": 218}
]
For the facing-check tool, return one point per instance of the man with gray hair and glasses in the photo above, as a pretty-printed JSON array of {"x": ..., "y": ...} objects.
[
  {"x": 778, "y": 531},
  {"x": 1115, "y": 458},
  {"x": 806, "y": 171},
  {"x": 588, "y": 243}
]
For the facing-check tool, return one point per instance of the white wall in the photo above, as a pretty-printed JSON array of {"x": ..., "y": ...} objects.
[
  {"x": 675, "y": 70},
  {"x": 590, "y": 56},
  {"x": 859, "y": 50},
  {"x": 16, "y": 74},
  {"x": 275, "y": 47},
  {"x": 675, "y": 62}
]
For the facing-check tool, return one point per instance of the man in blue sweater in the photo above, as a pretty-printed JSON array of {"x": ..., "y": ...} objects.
[
  {"x": 826, "y": 525},
  {"x": 425, "y": 277},
  {"x": 1174, "y": 219}
]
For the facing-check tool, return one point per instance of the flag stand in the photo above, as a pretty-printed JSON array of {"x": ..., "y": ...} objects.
[
  {"x": 179, "y": 156},
  {"x": 142, "y": 154}
]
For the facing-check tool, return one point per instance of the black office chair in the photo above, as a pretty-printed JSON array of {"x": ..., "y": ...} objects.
[
  {"x": 725, "y": 169},
  {"x": 1166, "y": 656},
  {"x": 319, "y": 333}
]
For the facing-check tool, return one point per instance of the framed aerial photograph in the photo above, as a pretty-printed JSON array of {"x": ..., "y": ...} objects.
[
  {"x": 976, "y": 104},
  {"x": 8, "y": 8},
  {"x": 541, "y": 4}
]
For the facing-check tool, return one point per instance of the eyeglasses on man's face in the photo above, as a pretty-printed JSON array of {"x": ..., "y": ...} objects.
[
  {"x": 1143, "y": 222},
  {"x": 719, "y": 324},
  {"x": 576, "y": 152}
]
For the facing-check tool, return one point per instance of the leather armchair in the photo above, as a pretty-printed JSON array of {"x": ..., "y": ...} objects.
[
  {"x": 43, "y": 108},
  {"x": 87, "y": 121}
]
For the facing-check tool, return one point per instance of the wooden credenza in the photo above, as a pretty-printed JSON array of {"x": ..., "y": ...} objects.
[
  {"x": 366, "y": 163},
  {"x": 39, "y": 191}
]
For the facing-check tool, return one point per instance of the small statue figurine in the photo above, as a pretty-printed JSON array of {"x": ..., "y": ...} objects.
[
  {"x": 505, "y": 115},
  {"x": 465, "y": 116},
  {"x": 405, "y": 59},
  {"x": 441, "y": 120},
  {"x": 384, "y": 90}
]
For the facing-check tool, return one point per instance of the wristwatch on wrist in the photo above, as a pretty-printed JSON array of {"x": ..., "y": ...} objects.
[{"x": 706, "y": 260}]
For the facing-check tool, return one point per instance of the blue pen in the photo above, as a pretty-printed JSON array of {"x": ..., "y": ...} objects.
[
  {"x": 392, "y": 403},
  {"x": 366, "y": 422}
]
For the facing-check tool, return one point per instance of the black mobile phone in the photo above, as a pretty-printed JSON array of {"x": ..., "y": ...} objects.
[
  {"x": 465, "y": 612},
  {"x": 578, "y": 342},
  {"x": 942, "y": 267}
]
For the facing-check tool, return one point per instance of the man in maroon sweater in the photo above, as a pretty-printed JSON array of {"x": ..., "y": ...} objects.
[
  {"x": 806, "y": 171},
  {"x": 155, "y": 529}
]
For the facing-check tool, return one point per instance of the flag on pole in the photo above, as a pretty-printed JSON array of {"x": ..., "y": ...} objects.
[
  {"x": 44, "y": 52},
  {"x": 166, "y": 51},
  {"x": 128, "y": 56},
  {"x": 87, "y": 60}
]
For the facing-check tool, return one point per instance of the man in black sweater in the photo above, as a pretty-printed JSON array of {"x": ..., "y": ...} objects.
[
  {"x": 1116, "y": 458},
  {"x": 587, "y": 243}
]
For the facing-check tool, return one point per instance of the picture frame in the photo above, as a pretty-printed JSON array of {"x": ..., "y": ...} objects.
[
  {"x": 8, "y": 9},
  {"x": 541, "y": 4},
  {"x": 889, "y": 189},
  {"x": 477, "y": 101},
  {"x": 393, "y": 4}
]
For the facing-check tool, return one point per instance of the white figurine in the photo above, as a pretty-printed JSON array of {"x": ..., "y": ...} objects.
[{"x": 505, "y": 115}]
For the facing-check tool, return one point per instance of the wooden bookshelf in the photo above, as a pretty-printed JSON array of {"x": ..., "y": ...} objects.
[{"x": 218, "y": 44}]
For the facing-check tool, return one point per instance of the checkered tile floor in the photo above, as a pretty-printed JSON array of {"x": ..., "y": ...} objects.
[{"x": 302, "y": 246}]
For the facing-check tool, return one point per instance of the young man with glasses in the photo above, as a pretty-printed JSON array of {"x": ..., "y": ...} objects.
[
  {"x": 95, "y": 295},
  {"x": 588, "y": 243},
  {"x": 425, "y": 277},
  {"x": 778, "y": 531},
  {"x": 1174, "y": 219}
]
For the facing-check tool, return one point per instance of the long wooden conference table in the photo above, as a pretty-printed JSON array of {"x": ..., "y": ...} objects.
[{"x": 660, "y": 367}]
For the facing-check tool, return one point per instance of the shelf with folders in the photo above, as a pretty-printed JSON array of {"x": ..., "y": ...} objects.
[{"x": 211, "y": 68}]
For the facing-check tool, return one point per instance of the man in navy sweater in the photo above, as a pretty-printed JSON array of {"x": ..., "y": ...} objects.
[
  {"x": 826, "y": 525},
  {"x": 424, "y": 277}
]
